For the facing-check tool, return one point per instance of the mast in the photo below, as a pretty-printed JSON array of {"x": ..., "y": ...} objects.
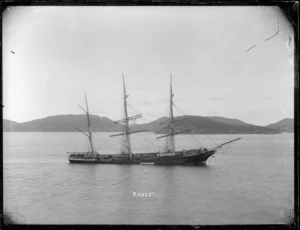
[
  {"x": 126, "y": 130},
  {"x": 90, "y": 133},
  {"x": 171, "y": 130},
  {"x": 171, "y": 143},
  {"x": 171, "y": 133},
  {"x": 125, "y": 122},
  {"x": 89, "y": 125}
]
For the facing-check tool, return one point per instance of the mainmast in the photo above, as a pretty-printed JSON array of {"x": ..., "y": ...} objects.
[
  {"x": 127, "y": 144},
  {"x": 171, "y": 146},
  {"x": 125, "y": 122},
  {"x": 90, "y": 133}
]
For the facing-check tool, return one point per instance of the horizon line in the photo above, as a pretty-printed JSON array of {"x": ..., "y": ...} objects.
[{"x": 148, "y": 122}]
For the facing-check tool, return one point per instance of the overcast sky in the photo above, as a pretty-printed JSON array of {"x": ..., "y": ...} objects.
[{"x": 52, "y": 54}]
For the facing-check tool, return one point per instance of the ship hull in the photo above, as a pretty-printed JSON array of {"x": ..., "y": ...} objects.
[{"x": 147, "y": 159}]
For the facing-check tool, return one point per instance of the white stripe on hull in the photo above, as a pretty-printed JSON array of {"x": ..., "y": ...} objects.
[{"x": 89, "y": 160}]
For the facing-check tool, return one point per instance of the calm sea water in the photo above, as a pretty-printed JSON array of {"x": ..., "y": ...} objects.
[{"x": 250, "y": 181}]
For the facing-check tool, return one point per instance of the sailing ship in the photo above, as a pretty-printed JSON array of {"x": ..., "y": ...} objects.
[{"x": 168, "y": 157}]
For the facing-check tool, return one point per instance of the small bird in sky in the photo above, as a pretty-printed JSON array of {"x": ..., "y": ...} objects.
[{"x": 12, "y": 52}]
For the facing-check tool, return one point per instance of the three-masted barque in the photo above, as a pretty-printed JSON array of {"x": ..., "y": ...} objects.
[{"x": 168, "y": 157}]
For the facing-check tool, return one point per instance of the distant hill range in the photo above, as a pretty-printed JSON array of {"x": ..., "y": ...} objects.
[
  {"x": 285, "y": 125},
  {"x": 208, "y": 125},
  {"x": 197, "y": 124},
  {"x": 62, "y": 123}
]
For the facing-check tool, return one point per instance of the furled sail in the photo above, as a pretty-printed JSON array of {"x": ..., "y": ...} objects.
[
  {"x": 120, "y": 134},
  {"x": 172, "y": 134},
  {"x": 122, "y": 121}
]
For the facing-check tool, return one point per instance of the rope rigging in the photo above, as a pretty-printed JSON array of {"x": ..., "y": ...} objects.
[
  {"x": 166, "y": 144},
  {"x": 203, "y": 132},
  {"x": 151, "y": 142},
  {"x": 103, "y": 143},
  {"x": 143, "y": 122},
  {"x": 191, "y": 134}
]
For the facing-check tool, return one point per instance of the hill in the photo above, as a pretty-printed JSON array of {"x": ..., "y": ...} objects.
[
  {"x": 9, "y": 125},
  {"x": 198, "y": 125},
  {"x": 152, "y": 126},
  {"x": 285, "y": 125},
  {"x": 209, "y": 125},
  {"x": 228, "y": 121},
  {"x": 217, "y": 125},
  {"x": 64, "y": 123}
]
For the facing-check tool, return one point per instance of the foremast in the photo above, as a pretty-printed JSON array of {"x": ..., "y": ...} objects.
[{"x": 90, "y": 133}]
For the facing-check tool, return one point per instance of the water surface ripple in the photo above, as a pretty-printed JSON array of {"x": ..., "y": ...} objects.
[{"x": 249, "y": 182}]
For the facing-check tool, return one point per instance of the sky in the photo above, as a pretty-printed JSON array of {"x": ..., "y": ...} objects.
[{"x": 52, "y": 54}]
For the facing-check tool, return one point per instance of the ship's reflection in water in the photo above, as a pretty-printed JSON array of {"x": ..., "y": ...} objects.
[{"x": 251, "y": 183}]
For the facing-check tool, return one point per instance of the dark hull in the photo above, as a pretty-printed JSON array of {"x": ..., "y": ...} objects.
[{"x": 151, "y": 159}]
